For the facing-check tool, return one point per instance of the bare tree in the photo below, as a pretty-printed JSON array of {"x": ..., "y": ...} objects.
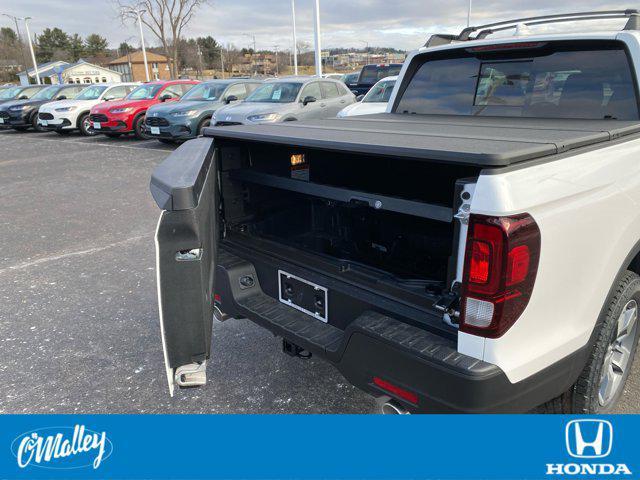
[{"x": 165, "y": 18}]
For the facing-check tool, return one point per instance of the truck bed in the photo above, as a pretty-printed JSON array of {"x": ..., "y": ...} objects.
[{"x": 479, "y": 141}]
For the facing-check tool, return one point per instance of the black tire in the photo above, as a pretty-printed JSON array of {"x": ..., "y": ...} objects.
[
  {"x": 586, "y": 395},
  {"x": 84, "y": 125},
  {"x": 204, "y": 123},
  {"x": 34, "y": 123},
  {"x": 112, "y": 135},
  {"x": 138, "y": 126}
]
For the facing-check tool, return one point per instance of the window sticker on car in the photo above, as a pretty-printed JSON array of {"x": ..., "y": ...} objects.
[{"x": 276, "y": 94}]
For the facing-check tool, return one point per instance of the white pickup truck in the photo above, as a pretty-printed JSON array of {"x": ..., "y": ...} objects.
[{"x": 476, "y": 248}]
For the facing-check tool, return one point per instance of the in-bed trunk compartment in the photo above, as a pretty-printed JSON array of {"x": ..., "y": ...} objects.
[{"x": 382, "y": 224}]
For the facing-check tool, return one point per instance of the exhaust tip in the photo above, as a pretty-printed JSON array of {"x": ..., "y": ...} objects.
[{"x": 394, "y": 408}]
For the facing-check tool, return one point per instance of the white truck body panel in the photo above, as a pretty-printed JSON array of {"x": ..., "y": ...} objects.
[{"x": 586, "y": 206}]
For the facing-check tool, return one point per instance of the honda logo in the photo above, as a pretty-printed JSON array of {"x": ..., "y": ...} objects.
[{"x": 589, "y": 438}]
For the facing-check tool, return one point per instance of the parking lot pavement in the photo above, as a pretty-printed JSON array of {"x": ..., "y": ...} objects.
[{"x": 78, "y": 325}]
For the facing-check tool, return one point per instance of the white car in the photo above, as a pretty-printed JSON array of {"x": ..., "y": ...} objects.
[
  {"x": 375, "y": 101},
  {"x": 66, "y": 115}
]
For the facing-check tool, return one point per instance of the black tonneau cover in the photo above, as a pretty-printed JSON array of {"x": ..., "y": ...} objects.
[{"x": 482, "y": 141}]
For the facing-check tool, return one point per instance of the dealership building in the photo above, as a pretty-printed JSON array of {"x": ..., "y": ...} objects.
[{"x": 64, "y": 72}]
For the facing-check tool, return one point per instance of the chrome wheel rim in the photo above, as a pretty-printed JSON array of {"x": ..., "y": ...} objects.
[
  {"x": 618, "y": 354},
  {"x": 86, "y": 124}
]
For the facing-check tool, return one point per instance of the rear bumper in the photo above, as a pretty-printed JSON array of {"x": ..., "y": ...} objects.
[{"x": 375, "y": 343}]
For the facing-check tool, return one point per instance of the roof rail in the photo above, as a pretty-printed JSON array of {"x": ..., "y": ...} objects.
[{"x": 484, "y": 30}]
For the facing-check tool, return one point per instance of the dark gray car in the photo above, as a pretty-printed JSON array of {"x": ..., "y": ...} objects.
[
  {"x": 287, "y": 99},
  {"x": 22, "y": 114},
  {"x": 21, "y": 92}
]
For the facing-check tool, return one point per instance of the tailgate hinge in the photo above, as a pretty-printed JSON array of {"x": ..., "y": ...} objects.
[{"x": 191, "y": 375}]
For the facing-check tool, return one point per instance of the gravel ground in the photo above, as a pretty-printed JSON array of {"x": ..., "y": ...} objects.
[{"x": 79, "y": 323}]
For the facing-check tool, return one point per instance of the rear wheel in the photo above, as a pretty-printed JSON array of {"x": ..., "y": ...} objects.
[
  {"x": 601, "y": 383},
  {"x": 204, "y": 123},
  {"x": 138, "y": 128},
  {"x": 84, "y": 125}
]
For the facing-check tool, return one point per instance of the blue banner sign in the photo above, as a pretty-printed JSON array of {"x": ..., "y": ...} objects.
[{"x": 319, "y": 447}]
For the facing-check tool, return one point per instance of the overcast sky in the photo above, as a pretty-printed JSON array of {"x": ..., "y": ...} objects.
[{"x": 402, "y": 24}]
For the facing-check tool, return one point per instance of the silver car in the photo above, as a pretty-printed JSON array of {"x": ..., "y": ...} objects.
[{"x": 287, "y": 99}]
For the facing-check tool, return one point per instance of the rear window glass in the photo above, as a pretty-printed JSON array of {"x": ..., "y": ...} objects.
[
  {"x": 553, "y": 81},
  {"x": 372, "y": 73}
]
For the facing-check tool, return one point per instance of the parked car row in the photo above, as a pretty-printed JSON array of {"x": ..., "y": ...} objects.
[{"x": 178, "y": 110}]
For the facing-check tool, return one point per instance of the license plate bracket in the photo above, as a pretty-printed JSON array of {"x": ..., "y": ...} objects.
[
  {"x": 155, "y": 130},
  {"x": 303, "y": 295}
]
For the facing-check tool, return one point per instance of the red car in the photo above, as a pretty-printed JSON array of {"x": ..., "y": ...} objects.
[{"x": 127, "y": 115}]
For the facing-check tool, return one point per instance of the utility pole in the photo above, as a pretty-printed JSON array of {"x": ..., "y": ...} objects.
[
  {"x": 367, "y": 54},
  {"x": 222, "y": 60},
  {"x": 200, "y": 63},
  {"x": 144, "y": 50},
  {"x": 277, "y": 68},
  {"x": 469, "y": 13},
  {"x": 253, "y": 63},
  {"x": 295, "y": 38},
  {"x": 316, "y": 32},
  {"x": 33, "y": 55},
  {"x": 15, "y": 20}
]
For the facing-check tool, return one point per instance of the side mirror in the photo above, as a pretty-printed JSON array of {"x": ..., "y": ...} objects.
[
  {"x": 165, "y": 97},
  {"x": 61, "y": 97},
  {"x": 359, "y": 98},
  {"x": 230, "y": 98},
  {"x": 308, "y": 99},
  {"x": 23, "y": 97}
]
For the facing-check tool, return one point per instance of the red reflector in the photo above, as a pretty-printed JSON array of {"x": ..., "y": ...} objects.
[
  {"x": 399, "y": 392},
  {"x": 217, "y": 297},
  {"x": 518, "y": 265},
  {"x": 506, "y": 46},
  {"x": 480, "y": 256}
]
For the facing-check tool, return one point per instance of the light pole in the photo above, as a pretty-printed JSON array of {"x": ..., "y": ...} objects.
[
  {"x": 295, "y": 39},
  {"x": 15, "y": 20},
  {"x": 469, "y": 13},
  {"x": 144, "y": 50},
  {"x": 316, "y": 35},
  {"x": 33, "y": 55}
]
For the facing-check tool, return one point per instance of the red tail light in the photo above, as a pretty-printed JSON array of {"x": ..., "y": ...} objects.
[{"x": 501, "y": 262}]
